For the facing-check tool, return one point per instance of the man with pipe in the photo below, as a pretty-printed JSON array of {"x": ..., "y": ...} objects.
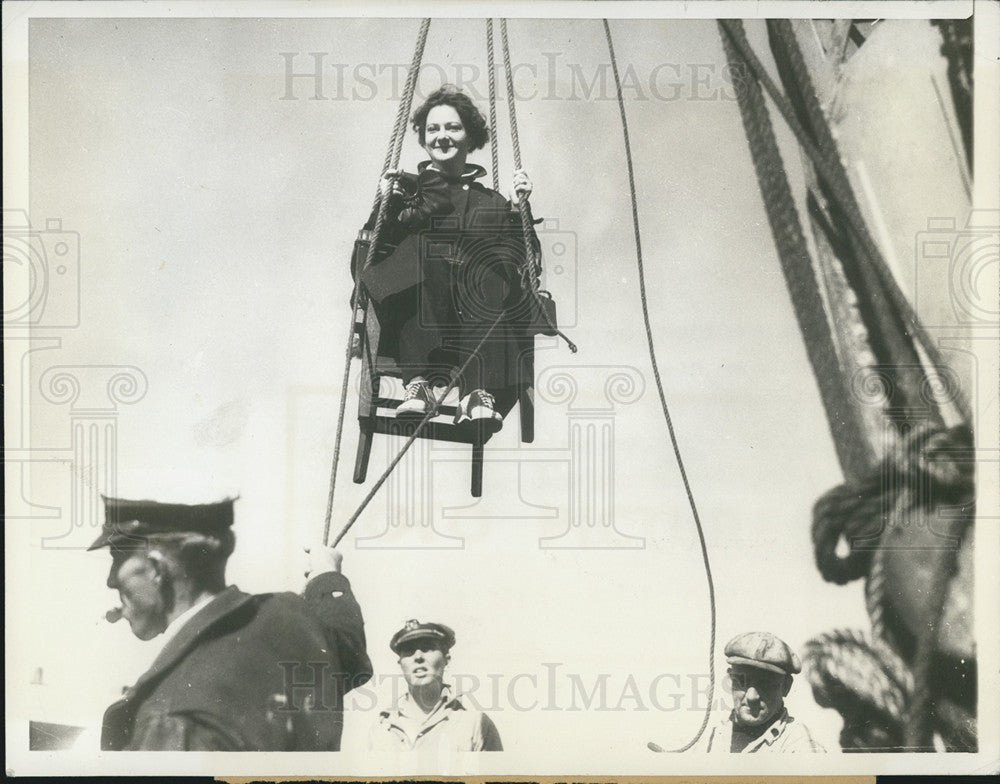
[{"x": 237, "y": 672}]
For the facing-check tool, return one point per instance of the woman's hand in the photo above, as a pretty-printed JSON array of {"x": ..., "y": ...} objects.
[
  {"x": 522, "y": 185},
  {"x": 389, "y": 184}
]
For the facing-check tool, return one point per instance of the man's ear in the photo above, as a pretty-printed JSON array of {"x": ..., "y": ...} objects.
[
  {"x": 158, "y": 563},
  {"x": 447, "y": 657}
]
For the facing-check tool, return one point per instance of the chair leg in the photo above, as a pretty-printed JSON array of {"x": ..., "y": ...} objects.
[
  {"x": 477, "y": 468},
  {"x": 364, "y": 453},
  {"x": 526, "y": 404}
]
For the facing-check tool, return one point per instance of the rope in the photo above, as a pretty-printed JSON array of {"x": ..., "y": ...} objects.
[
  {"x": 392, "y": 161},
  {"x": 793, "y": 254},
  {"x": 855, "y": 514},
  {"x": 663, "y": 399},
  {"x": 941, "y": 468},
  {"x": 865, "y": 681},
  {"x": 829, "y": 166},
  {"x": 532, "y": 269},
  {"x": 918, "y": 728},
  {"x": 931, "y": 469},
  {"x": 492, "y": 72},
  {"x": 875, "y": 594},
  {"x": 887, "y": 328},
  {"x": 416, "y": 432},
  {"x": 509, "y": 77}
]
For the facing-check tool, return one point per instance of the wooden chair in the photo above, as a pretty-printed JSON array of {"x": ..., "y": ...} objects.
[{"x": 377, "y": 408}]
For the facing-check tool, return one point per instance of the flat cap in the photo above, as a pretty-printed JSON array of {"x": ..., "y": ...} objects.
[
  {"x": 763, "y": 650},
  {"x": 132, "y": 521},
  {"x": 414, "y": 630}
]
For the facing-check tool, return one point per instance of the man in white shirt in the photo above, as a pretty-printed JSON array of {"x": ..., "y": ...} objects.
[
  {"x": 761, "y": 667},
  {"x": 430, "y": 716}
]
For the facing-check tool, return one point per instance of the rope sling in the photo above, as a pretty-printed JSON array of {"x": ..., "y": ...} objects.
[{"x": 530, "y": 272}]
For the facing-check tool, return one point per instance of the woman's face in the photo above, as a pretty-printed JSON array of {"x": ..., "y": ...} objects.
[{"x": 445, "y": 138}]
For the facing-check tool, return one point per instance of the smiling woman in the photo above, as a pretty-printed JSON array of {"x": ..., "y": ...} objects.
[{"x": 448, "y": 266}]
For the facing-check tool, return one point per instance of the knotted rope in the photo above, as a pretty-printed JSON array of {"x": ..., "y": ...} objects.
[
  {"x": 931, "y": 468},
  {"x": 863, "y": 680}
]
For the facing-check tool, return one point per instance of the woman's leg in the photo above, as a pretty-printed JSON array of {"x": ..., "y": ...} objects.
[{"x": 481, "y": 342}]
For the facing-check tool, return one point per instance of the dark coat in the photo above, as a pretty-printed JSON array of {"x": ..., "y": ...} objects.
[
  {"x": 432, "y": 222},
  {"x": 264, "y": 672},
  {"x": 448, "y": 261}
]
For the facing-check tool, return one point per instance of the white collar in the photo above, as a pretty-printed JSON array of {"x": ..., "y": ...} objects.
[
  {"x": 178, "y": 623},
  {"x": 472, "y": 171}
]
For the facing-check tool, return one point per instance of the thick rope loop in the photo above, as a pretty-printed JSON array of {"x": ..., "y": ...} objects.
[{"x": 865, "y": 680}]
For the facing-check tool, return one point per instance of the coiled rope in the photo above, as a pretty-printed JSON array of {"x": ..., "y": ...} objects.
[
  {"x": 391, "y": 162},
  {"x": 864, "y": 680},
  {"x": 663, "y": 399}
]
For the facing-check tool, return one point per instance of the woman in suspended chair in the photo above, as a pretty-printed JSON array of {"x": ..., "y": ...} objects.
[{"x": 448, "y": 264}]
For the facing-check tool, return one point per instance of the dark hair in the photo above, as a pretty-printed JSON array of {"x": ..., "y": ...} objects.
[{"x": 472, "y": 118}]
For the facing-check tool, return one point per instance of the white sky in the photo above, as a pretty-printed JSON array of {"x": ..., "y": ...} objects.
[{"x": 215, "y": 222}]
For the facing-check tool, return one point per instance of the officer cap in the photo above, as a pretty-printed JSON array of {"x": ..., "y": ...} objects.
[
  {"x": 131, "y": 521},
  {"x": 414, "y": 630},
  {"x": 763, "y": 650}
]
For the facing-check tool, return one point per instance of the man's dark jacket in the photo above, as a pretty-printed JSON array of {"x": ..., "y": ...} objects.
[{"x": 264, "y": 672}]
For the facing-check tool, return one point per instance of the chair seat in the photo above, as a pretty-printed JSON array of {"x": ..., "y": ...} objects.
[{"x": 382, "y": 391}]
